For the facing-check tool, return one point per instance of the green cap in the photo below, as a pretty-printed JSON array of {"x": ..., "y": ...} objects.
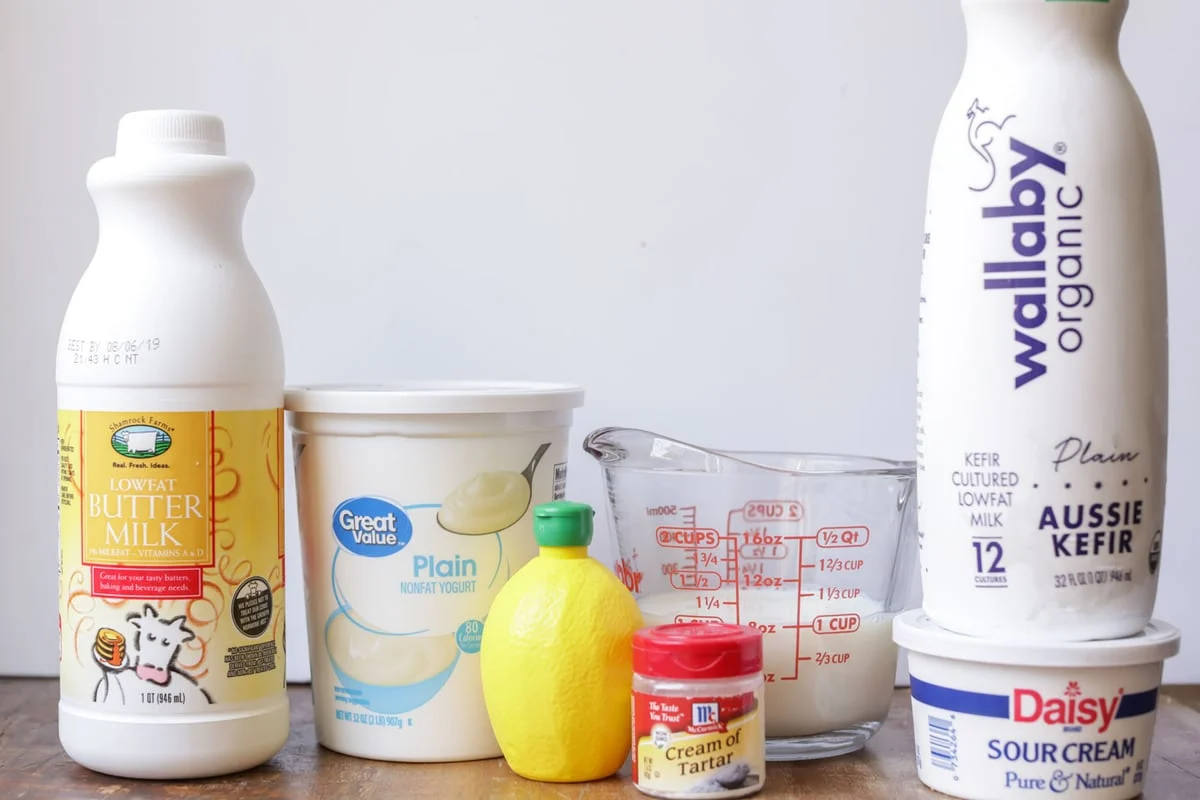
[{"x": 563, "y": 524}]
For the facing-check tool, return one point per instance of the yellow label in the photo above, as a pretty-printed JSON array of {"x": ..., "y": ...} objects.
[
  {"x": 171, "y": 571},
  {"x": 699, "y": 746},
  {"x": 148, "y": 501}
]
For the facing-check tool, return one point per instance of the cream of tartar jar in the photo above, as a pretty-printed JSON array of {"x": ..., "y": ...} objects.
[
  {"x": 699, "y": 730},
  {"x": 995, "y": 720}
]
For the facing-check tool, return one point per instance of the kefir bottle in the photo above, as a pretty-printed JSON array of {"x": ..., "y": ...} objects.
[{"x": 1043, "y": 335}]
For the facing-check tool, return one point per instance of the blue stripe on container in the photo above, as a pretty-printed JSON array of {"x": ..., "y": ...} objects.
[
  {"x": 981, "y": 705},
  {"x": 1134, "y": 705},
  {"x": 995, "y": 705}
]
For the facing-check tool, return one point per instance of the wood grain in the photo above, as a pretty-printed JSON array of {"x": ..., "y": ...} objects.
[
  {"x": 1188, "y": 695},
  {"x": 33, "y": 766}
]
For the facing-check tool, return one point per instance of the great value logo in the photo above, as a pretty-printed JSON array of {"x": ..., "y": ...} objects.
[{"x": 371, "y": 526}]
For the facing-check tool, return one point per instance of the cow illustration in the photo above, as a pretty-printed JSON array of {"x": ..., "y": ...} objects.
[
  {"x": 141, "y": 441},
  {"x": 146, "y": 663}
]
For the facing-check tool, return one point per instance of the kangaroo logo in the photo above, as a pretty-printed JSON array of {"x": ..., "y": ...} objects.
[{"x": 981, "y": 132}]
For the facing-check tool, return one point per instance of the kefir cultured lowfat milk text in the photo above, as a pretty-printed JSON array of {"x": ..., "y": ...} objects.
[
  {"x": 1042, "y": 363},
  {"x": 1071, "y": 720}
]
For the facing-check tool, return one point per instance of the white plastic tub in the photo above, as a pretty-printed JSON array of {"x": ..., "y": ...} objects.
[
  {"x": 1072, "y": 720},
  {"x": 415, "y": 507}
]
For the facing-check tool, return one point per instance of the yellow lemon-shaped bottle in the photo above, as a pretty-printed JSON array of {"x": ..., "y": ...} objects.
[{"x": 557, "y": 656}]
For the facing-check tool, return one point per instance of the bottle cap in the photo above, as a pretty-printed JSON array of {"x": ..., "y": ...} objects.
[
  {"x": 170, "y": 132},
  {"x": 563, "y": 524},
  {"x": 697, "y": 651}
]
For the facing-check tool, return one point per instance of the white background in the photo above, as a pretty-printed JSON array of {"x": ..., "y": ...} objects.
[{"x": 709, "y": 214}]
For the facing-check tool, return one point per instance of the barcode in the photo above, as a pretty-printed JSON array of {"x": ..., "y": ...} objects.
[{"x": 943, "y": 744}]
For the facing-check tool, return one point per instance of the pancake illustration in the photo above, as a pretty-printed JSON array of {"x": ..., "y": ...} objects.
[{"x": 110, "y": 646}]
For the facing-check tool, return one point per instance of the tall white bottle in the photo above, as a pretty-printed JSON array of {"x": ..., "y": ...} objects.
[
  {"x": 1043, "y": 335},
  {"x": 170, "y": 394}
]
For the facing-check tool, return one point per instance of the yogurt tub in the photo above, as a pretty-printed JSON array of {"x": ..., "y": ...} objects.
[
  {"x": 1068, "y": 720},
  {"x": 414, "y": 509}
]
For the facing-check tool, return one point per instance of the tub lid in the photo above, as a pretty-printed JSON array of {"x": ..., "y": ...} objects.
[
  {"x": 915, "y": 631},
  {"x": 434, "y": 397}
]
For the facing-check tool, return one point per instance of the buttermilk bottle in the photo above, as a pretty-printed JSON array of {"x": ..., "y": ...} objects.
[{"x": 170, "y": 393}]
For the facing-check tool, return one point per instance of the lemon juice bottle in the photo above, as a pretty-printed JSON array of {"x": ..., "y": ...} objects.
[{"x": 557, "y": 656}]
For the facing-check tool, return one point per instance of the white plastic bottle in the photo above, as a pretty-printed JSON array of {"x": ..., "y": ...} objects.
[
  {"x": 1043, "y": 335},
  {"x": 170, "y": 394}
]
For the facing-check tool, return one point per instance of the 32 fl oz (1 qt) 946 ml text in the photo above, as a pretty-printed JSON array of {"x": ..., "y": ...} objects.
[{"x": 1092, "y": 577}]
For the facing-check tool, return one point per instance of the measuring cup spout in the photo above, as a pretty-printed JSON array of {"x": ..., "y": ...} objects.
[
  {"x": 625, "y": 447},
  {"x": 604, "y": 445},
  {"x": 640, "y": 449}
]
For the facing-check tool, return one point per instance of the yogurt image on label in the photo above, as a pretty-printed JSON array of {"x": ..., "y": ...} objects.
[
  {"x": 386, "y": 660},
  {"x": 994, "y": 721},
  {"x": 388, "y": 673},
  {"x": 491, "y": 501}
]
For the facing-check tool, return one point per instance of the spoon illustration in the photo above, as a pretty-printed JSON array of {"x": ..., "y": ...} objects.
[{"x": 491, "y": 501}]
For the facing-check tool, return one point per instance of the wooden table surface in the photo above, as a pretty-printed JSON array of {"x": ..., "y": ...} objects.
[{"x": 33, "y": 766}]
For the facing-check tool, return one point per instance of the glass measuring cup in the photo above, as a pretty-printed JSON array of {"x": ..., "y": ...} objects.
[{"x": 817, "y": 551}]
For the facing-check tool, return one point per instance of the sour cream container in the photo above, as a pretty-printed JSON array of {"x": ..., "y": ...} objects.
[
  {"x": 995, "y": 720},
  {"x": 414, "y": 509}
]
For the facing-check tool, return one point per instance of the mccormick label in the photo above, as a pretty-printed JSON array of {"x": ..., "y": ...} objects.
[
  {"x": 171, "y": 571},
  {"x": 1075, "y": 737},
  {"x": 699, "y": 746}
]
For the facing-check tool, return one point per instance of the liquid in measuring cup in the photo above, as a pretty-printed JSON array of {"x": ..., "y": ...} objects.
[
  {"x": 828, "y": 656},
  {"x": 815, "y": 551}
]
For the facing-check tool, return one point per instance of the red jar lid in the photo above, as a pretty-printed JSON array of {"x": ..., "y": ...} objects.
[{"x": 697, "y": 651}]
